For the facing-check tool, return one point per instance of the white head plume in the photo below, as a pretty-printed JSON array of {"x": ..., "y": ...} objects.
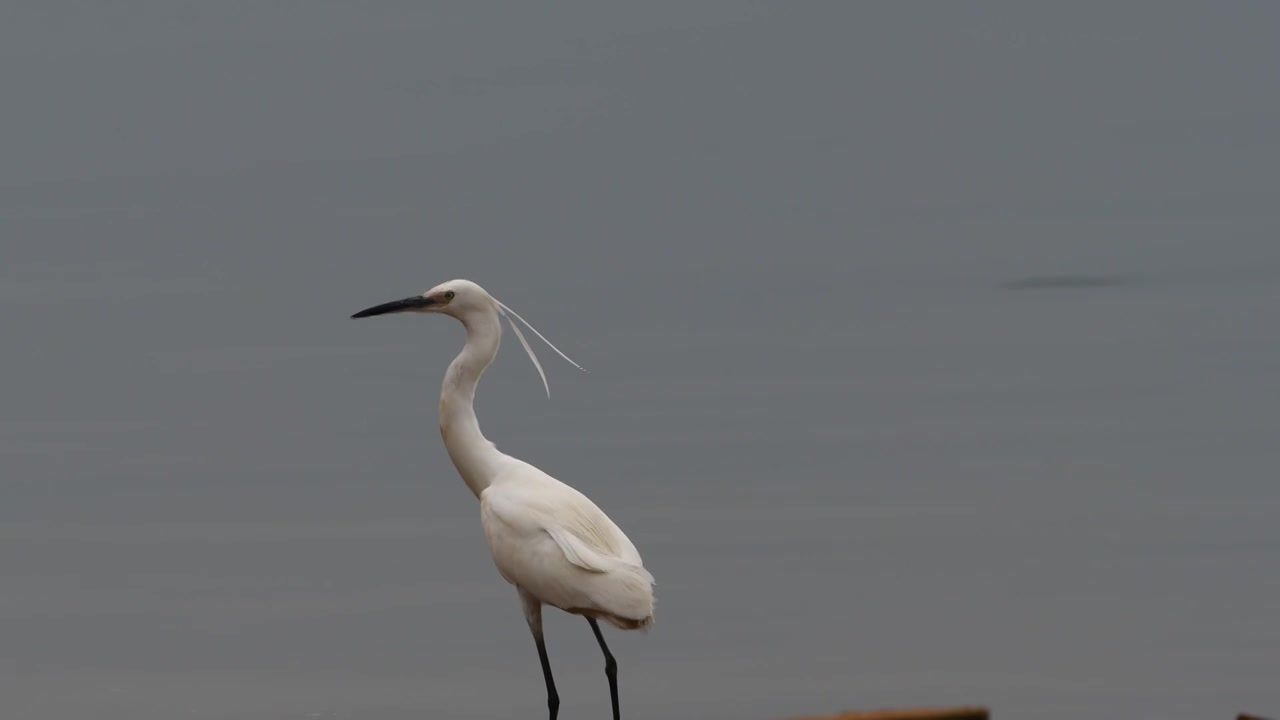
[{"x": 504, "y": 310}]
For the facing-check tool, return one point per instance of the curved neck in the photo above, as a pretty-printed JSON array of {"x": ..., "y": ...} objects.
[{"x": 472, "y": 454}]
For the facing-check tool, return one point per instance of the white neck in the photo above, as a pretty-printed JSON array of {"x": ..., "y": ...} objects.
[{"x": 476, "y": 459}]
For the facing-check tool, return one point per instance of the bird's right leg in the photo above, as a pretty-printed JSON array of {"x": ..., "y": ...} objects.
[
  {"x": 533, "y": 614},
  {"x": 610, "y": 666}
]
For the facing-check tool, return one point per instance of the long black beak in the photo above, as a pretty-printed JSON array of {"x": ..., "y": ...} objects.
[{"x": 417, "y": 302}]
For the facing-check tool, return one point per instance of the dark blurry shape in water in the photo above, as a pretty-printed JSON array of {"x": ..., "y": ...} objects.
[{"x": 1039, "y": 282}]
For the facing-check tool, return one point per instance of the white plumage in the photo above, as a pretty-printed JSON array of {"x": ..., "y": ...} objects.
[
  {"x": 553, "y": 542},
  {"x": 547, "y": 539}
]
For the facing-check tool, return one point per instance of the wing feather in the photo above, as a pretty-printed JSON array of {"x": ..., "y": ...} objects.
[{"x": 579, "y": 552}]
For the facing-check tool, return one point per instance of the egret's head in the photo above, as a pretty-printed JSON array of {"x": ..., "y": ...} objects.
[
  {"x": 464, "y": 299},
  {"x": 457, "y": 298}
]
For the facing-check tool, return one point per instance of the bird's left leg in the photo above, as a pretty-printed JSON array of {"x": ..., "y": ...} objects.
[
  {"x": 610, "y": 666},
  {"x": 533, "y": 614}
]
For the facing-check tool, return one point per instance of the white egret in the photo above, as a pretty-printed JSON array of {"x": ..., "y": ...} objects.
[{"x": 547, "y": 539}]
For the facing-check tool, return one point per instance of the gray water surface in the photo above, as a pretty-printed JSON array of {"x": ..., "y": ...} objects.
[{"x": 933, "y": 355}]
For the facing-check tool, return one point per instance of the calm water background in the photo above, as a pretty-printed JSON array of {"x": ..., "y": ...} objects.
[{"x": 933, "y": 354}]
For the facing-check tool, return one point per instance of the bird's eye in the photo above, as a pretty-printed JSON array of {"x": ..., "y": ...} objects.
[{"x": 448, "y": 294}]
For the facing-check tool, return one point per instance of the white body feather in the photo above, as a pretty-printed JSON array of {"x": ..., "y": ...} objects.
[{"x": 554, "y": 543}]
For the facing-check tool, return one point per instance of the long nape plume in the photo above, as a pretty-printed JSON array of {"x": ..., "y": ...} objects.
[{"x": 504, "y": 310}]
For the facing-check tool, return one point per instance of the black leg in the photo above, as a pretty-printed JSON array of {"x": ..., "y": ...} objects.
[
  {"x": 610, "y": 667},
  {"x": 553, "y": 698},
  {"x": 533, "y": 614}
]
